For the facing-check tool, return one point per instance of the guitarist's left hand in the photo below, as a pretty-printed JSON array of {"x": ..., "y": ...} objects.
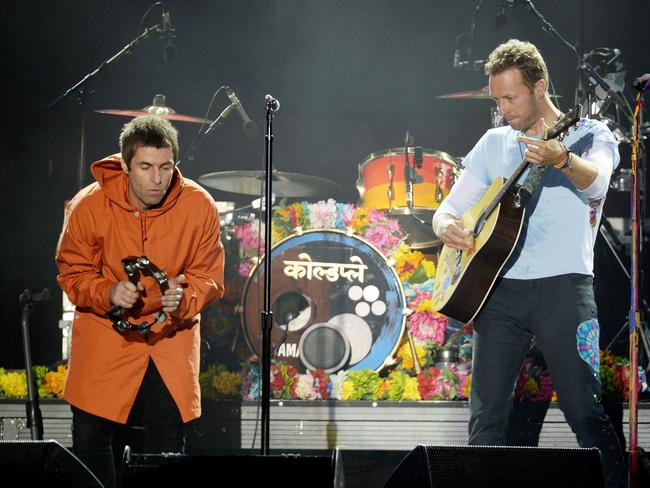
[{"x": 542, "y": 152}]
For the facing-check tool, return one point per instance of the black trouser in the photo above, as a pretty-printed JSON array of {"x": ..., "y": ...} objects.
[
  {"x": 92, "y": 436},
  {"x": 552, "y": 310}
]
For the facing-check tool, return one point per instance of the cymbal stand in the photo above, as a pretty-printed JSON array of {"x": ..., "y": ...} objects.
[
  {"x": 80, "y": 88},
  {"x": 34, "y": 417},
  {"x": 272, "y": 106}
]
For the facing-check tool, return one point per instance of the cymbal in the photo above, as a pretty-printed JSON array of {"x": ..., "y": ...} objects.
[
  {"x": 158, "y": 108},
  {"x": 482, "y": 94},
  {"x": 284, "y": 184}
]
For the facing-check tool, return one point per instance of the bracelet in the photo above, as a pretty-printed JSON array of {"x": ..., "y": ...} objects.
[{"x": 566, "y": 161}]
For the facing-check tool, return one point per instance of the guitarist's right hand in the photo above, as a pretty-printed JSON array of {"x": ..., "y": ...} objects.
[{"x": 452, "y": 232}]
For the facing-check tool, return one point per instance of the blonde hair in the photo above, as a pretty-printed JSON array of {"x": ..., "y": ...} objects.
[{"x": 521, "y": 55}]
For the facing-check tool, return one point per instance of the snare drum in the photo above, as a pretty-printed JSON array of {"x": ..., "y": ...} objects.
[
  {"x": 336, "y": 303},
  {"x": 381, "y": 184}
]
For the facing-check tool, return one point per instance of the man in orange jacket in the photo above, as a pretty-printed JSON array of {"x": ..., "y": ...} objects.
[{"x": 140, "y": 205}]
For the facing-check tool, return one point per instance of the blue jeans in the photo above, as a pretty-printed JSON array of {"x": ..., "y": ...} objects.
[
  {"x": 93, "y": 436},
  {"x": 559, "y": 313}
]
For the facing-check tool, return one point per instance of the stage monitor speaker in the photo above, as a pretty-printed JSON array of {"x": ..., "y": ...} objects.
[
  {"x": 286, "y": 470},
  {"x": 497, "y": 466},
  {"x": 44, "y": 464}
]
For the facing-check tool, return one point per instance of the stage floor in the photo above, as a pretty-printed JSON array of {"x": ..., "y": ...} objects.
[{"x": 230, "y": 426}]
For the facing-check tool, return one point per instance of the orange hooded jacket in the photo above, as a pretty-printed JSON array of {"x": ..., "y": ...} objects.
[{"x": 181, "y": 236}]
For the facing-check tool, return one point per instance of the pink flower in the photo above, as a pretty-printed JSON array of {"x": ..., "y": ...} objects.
[
  {"x": 427, "y": 326},
  {"x": 347, "y": 213},
  {"x": 245, "y": 268}
]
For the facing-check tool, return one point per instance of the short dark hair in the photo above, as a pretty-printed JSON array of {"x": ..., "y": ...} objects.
[
  {"x": 521, "y": 55},
  {"x": 147, "y": 131}
]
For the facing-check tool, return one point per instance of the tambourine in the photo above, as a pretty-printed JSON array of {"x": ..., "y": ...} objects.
[{"x": 132, "y": 267}]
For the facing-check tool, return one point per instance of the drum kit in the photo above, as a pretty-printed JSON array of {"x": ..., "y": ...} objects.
[{"x": 337, "y": 302}]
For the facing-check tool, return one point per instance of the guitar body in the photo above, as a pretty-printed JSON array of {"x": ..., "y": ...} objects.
[{"x": 464, "y": 277}]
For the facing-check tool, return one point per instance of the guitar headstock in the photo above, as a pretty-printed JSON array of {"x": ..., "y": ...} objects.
[{"x": 564, "y": 123}]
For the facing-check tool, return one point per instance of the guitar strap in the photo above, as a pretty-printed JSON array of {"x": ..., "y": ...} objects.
[{"x": 530, "y": 184}]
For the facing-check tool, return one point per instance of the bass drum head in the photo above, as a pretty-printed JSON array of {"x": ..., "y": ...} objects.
[{"x": 336, "y": 303}]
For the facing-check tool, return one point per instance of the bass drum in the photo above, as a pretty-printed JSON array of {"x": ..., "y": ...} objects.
[{"x": 336, "y": 303}]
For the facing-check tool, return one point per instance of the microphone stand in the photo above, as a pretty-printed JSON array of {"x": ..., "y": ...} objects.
[
  {"x": 34, "y": 417},
  {"x": 410, "y": 175},
  {"x": 82, "y": 91},
  {"x": 272, "y": 106},
  {"x": 634, "y": 314}
]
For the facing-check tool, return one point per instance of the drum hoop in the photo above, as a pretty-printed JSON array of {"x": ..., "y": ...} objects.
[
  {"x": 260, "y": 261},
  {"x": 400, "y": 151}
]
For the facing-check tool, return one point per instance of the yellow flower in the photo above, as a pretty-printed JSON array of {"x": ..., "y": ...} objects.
[
  {"x": 425, "y": 306},
  {"x": 468, "y": 385},
  {"x": 360, "y": 219},
  {"x": 406, "y": 261},
  {"x": 383, "y": 388},
  {"x": 55, "y": 380},
  {"x": 226, "y": 384},
  {"x": 411, "y": 391},
  {"x": 277, "y": 234},
  {"x": 530, "y": 386},
  {"x": 348, "y": 390},
  {"x": 14, "y": 384},
  {"x": 405, "y": 356},
  {"x": 429, "y": 268}
]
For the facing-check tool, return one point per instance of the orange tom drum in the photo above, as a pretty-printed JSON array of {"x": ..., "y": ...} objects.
[{"x": 381, "y": 184}]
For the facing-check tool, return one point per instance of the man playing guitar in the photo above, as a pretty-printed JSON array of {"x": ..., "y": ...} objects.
[{"x": 544, "y": 288}]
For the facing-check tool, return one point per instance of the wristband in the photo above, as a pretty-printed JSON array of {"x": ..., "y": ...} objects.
[{"x": 566, "y": 162}]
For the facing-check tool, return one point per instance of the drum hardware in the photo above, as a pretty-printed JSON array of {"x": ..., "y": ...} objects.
[
  {"x": 621, "y": 180},
  {"x": 411, "y": 176},
  {"x": 416, "y": 362},
  {"x": 284, "y": 184},
  {"x": 391, "y": 193},
  {"x": 158, "y": 107},
  {"x": 446, "y": 356},
  {"x": 480, "y": 94}
]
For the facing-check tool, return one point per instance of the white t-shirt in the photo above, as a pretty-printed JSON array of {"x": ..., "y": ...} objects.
[{"x": 561, "y": 221}]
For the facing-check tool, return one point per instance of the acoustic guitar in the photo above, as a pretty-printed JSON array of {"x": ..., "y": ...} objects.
[{"x": 464, "y": 277}]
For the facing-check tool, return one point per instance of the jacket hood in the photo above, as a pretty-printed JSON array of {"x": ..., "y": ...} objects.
[{"x": 114, "y": 183}]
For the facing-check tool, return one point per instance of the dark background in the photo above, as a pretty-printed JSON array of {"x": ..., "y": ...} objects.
[{"x": 352, "y": 77}]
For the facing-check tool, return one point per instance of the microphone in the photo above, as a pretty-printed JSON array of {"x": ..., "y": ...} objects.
[
  {"x": 250, "y": 128},
  {"x": 169, "y": 50},
  {"x": 408, "y": 180},
  {"x": 219, "y": 120},
  {"x": 272, "y": 103}
]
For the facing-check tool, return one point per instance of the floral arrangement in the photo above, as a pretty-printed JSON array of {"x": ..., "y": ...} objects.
[
  {"x": 379, "y": 230},
  {"x": 13, "y": 384},
  {"x": 427, "y": 329},
  {"x": 535, "y": 382},
  {"x": 614, "y": 377}
]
